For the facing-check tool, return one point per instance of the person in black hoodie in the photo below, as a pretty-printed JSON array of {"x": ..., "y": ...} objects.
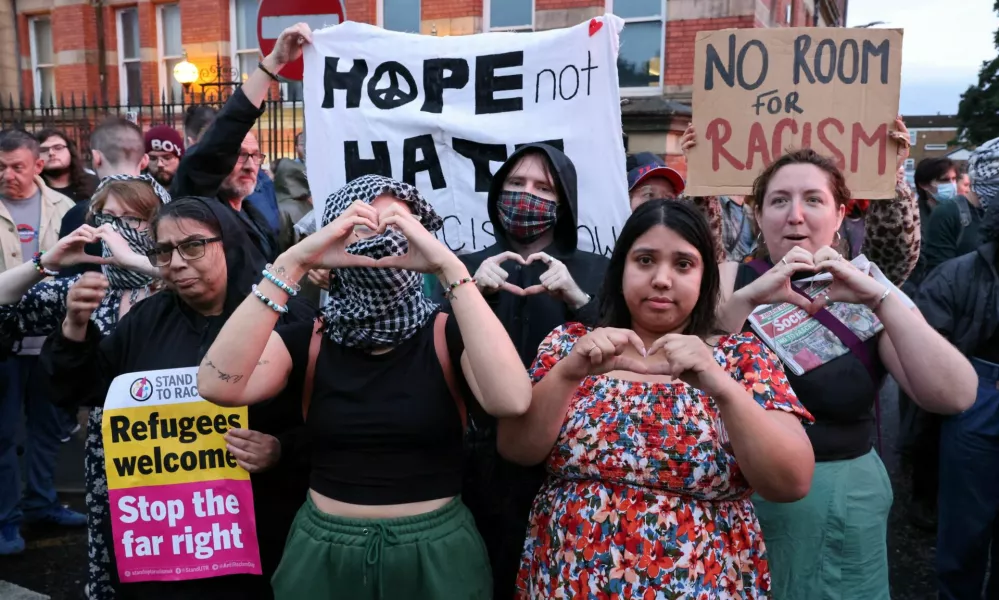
[
  {"x": 226, "y": 161},
  {"x": 535, "y": 279},
  {"x": 208, "y": 264}
]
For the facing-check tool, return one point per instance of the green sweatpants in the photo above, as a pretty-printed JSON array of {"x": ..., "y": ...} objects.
[{"x": 435, "y": 556}]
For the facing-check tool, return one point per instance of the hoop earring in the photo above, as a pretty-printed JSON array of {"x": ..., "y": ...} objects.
[{"x": 838, "y": 239}]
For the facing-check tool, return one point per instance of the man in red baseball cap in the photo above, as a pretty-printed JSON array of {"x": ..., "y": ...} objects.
[
  {"x": 649, "y": 178},
  {"x": 165, "y": 149}
]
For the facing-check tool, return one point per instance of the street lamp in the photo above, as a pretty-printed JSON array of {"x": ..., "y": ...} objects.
[{"x": 185, "y": 73}]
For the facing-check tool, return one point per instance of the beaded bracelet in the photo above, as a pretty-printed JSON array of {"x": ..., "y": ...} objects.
[
  {"x": 37, "y": 261},
  {"x": 291, "y": 290},
  {"x": 270, "y": 303},
  {"x": 449, "y": 293}
]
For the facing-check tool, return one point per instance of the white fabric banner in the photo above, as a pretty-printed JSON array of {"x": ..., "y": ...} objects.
[{"x": 443, "y": 113}]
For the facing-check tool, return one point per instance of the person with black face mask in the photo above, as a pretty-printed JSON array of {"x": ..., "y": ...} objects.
[{"x": 535, "y": 279}]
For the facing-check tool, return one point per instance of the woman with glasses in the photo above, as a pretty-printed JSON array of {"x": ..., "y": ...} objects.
[
  {"x": 207, "y": 264},
  {"x": 122, "y": 207}
]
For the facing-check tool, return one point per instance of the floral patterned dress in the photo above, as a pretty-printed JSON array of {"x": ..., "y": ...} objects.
[
  {"x": 645, "y": 498},
  {"x": 39, "y": 313}
]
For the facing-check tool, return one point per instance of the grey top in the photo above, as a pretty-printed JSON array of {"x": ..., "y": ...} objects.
[{"x": 27, "y": 215}]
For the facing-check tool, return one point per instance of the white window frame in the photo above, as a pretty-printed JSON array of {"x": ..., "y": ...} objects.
[
  {"x": 234, "y": 42},
  {"x": 913, "y": 136},
  {"x": 910, "y": 164},
  {"x": 166, "y": 76},
  {"x": 36, "y": 67},
  {"x": 936, "y": 147},
  {"x": 664, "y": 18},
  {"x": 487, "y": 16},
  {"x": 380, "y": 13},
  {"x": 122, "y": 73}
]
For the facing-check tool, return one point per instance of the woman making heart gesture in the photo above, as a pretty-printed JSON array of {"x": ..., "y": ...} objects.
[
  {"x": 385, "y": 378},
  {"x": 653, "y": 454},
  {"x": 833, "y": 540}
]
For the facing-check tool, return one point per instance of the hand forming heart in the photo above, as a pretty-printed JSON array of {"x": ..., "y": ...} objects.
[
  {"x": 557, "y": 280},
  {"x": 849, "y": 284},
  {"x": 327, "y": 248}
]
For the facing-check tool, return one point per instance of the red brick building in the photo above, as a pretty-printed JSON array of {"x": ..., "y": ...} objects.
[{"x": 116, "y": 50}]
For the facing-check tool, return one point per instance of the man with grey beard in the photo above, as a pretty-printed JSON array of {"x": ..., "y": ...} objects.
[{"x": 221, "y": 165}]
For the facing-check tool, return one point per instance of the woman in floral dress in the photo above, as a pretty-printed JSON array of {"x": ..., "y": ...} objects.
[
  {"x": 123, "y": 204},
  {"x": 653, "y": 454}
]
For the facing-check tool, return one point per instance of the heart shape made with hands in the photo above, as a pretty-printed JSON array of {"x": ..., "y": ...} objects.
[
  {"x": 530, "y": 290},
  {"x": 798, "y": 289}
]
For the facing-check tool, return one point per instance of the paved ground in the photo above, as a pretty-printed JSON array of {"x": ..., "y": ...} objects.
[{"x": 55, "y": 563}]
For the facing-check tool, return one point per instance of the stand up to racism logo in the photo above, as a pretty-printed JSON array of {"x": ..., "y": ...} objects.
[{"x": 141, "y": 389}]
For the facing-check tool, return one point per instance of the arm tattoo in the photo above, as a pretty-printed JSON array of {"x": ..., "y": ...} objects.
[{"x": 226, "y": 377}]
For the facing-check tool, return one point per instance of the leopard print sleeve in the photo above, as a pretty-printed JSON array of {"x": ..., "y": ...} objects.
[
  {"x": 891, "y": 232},
  {"x": 710, "y": 207}
]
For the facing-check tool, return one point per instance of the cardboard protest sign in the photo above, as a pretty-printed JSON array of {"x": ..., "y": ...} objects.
[
  {"x": 758, "y": 93},
  {"x": 443, "y": 113},
  {"x": 181, "y": 507}
]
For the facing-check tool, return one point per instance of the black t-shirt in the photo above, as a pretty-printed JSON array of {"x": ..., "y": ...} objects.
[
  {"x": 384, "y": 429},
  {"x": 840, "y": 395}
]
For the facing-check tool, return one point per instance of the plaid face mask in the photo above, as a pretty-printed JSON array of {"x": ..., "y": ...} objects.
[{"x": 524, "y": 216}]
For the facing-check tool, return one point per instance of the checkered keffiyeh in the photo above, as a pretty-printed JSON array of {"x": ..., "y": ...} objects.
[
  {"x": 525, "y": 217},
  {"x": 983, "y": 168},
  {"x": 370, "y": 307},
  {"x": 138, "y": 241}
]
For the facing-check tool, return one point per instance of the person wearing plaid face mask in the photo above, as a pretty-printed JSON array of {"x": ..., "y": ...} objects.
[{"x": 534, "y": 279}]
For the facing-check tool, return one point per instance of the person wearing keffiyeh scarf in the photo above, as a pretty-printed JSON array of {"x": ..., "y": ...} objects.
[
  {"x": 381, "y": 375},
  {"x": 371, "y": 307},
  {"x": 32, "y": 307}
]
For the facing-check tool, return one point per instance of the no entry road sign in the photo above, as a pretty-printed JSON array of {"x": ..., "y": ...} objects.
[{"x": 274, "y": 16}]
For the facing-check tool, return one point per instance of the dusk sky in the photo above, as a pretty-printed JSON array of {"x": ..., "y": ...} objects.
[{"x": 944, "y": 45}]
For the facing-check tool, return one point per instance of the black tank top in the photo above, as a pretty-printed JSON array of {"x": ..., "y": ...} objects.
[{"x": 840, "y": 395}]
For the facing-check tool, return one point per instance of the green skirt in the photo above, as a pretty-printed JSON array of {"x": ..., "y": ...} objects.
[
  {"x": 435, "y": 556},
  {"x": 831, "y": 545}
]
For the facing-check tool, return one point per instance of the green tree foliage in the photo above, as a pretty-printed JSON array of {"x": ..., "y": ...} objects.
[{"x": 978, "y": 113}]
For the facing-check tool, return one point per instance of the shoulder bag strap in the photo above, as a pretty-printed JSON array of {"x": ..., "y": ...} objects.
[
  {"x": 310, "y": 369},
  {"x": 444, "y": 358},
  {"x": 845, "y": 335},
  {"x": 830, "y": 322}
]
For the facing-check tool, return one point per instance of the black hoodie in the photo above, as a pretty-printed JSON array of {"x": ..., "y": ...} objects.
[
  {"x": 529, "y": 319},
  {"x": 163, "y": 332},
  {"x": 207, "y": 164},
  {"x": 500, "y": 493}
]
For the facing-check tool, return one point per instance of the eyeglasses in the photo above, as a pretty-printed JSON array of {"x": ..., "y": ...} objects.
[
  {"x": 189, "y": 250},
  {"x": 57, "y": 148},
  {"x": 258, "y": 157},
  {"x": 122, "y": 221}
]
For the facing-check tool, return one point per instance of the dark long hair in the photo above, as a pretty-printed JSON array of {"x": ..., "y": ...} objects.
[
  {"x": 691, "y": 225},
  {"x": 78, "y": 180}
]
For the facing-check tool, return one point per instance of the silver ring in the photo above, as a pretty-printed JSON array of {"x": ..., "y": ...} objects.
[{"x": 784, "y": 260}]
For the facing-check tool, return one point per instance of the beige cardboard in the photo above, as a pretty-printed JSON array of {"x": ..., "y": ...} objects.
[{"x": 834, "y": 97}]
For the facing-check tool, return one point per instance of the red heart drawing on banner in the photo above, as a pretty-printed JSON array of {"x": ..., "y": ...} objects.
[{"x": 595, "y": 25}]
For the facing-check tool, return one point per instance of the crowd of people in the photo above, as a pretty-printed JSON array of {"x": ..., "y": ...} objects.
[{"x": 530, "y": 420}]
